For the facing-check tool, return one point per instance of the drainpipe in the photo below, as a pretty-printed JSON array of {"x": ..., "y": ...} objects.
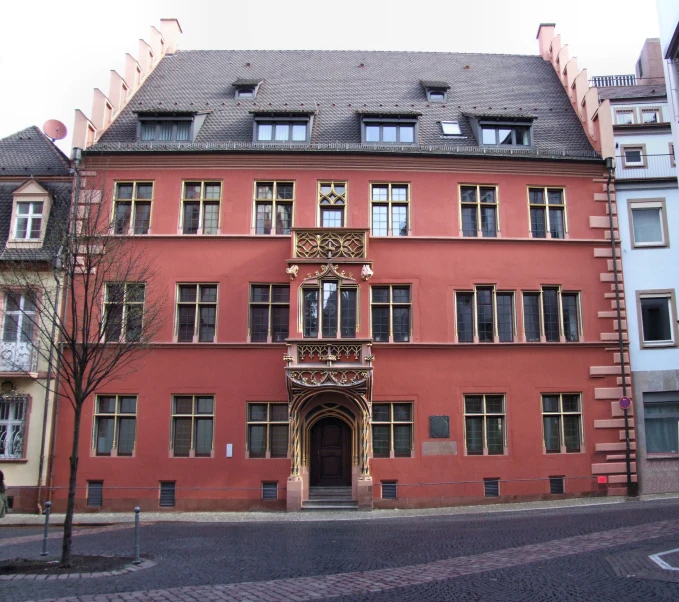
[{"x": 631, "y": 487}]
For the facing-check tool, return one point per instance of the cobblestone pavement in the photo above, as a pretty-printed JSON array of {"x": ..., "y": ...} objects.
[{"x": 576, "y": 554}]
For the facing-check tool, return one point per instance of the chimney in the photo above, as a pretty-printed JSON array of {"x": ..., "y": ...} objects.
[
  {"x": 649, "y": 67},
  {"x": 171, "y": 30},
  {"x": 545, "y": 37}
]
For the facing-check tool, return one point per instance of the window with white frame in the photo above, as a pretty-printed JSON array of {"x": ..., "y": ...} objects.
[
  {"x": 485, "y": 315},
  {"x": 451, "y": 128},
  {"x": 390, "y": 209},
  {"x": 658, "y": 327},
  {"x": 132, "y": 207},
  {"x": 550, "y": 314},
  {"x": 115, "y": 425},
  {"x": 648, "y": 222},
  {"x": 12, "y": 426},
  {"x": 661, "y": 421},
  {"x": 624, "y": 117},
  {"x": 31, "y": 207},
  {"x": 547, "y": 212},
  {"x": 392, "y": 430},
  {"x": 28, "y": 220},
  {"x": 200, "y": 207},
  {"x": 192, "y": 425},
  {"x": 478, "y": 209},
  {"x": 123, "y": 311},
  {"x": 562, "y": 422},
  {"x": 273, "y": 207},
  {"x": 19, "y": 317},
  {"x": 650, "y": 116},
  {"x": 634, "y": 156},
  {"x": 484, "y": 424},
  {"x": 196, "y": 313}
]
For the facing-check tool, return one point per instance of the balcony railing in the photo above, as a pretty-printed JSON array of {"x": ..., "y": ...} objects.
[
  {"x": 648, "y": 168},
  {"x": 18, "y": 357},
  {"x": 329, "y": 243},
  {"x": 602, "y": 81}
]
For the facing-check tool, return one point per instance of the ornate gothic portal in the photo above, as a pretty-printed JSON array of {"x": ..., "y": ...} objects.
[{"x": 330, "y": 409}]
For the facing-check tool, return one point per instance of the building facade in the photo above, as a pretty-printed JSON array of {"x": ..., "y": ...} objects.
[
  {"x": 388, "y": 276},
  {"x": 35, "y": 184}
]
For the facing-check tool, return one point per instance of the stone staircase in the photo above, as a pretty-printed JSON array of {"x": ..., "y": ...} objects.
[{"x": 330, "y": 498}]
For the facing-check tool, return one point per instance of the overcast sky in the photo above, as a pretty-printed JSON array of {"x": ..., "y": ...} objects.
[{"x": 52, "y": 54}]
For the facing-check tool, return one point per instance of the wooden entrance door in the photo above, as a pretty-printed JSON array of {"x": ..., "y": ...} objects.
[{"x": 330, "y": 453}]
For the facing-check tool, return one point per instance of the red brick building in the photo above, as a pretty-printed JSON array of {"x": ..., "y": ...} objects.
[{"x": 389, "y": 280}]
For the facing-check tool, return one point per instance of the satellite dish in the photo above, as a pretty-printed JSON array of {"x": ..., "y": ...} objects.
[{"x": 54, "y": 129}]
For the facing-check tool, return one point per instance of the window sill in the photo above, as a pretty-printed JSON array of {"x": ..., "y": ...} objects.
[
  {"x": 24, "y": 244},
  {"x": 13, "y": 460},
  {"x": 663, "y": 456},
  {"x": 660, "y": 345}
]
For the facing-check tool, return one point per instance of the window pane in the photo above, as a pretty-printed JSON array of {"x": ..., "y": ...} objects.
[
  {"x": 207, "y": 324},
  {"x": 165, "y": 130},
  {"x": 488, "y": 222},
  {"x": 551, "y": 425},
  {"x": 633, "y": 155},
  {"x": 571, "y": 403},
  {"x": 531, "y": 316},
  {"x": 380, "y": 192},
  {"x": 311, "y": 313},
  {"x": 203, "y": 436},
  {"x": 381, "y": 412},
  {"x": 495, "y": 434},
  {"x": 257, "y": 440},
  {"x": 279, "y": 440},
  {"x": 186, "y": 323},
  {"x": 571, "y": 433},
  {"x": 284, "y": 190},
  {"x": 187, "y": 293},
  {"x": 299, "y": 132},
  {"x": 123, "y": 211},
  {"x": 473, "y": 404},
  {"x": 571, "y": 323},
  {"x": 381, "y": 441},
  {"x": 406, "y": 133},
  {"x": 380, "y": 220},
  {"x": 124, "y": 191},
  {"x": 204, "y": 405},
  {"x": 505, "y": 136},
  {"x": 208, "y": 294},
  {"x": 468, "y": 194},
  {"x": 183, "y": 405},
  {"x": 550, "y": 310},
  {"x": 181, "y": 439},
  {"x": 474, "y": 435},
  {"x": 107, "y": 405},
  {"x": 105, "y": 436},
  {"x": 662, "y": 434},
  {"x": 148, "y": 130},
  {"x": 282, "y": 131},
  {"x": 451, "y": 128},
  {"x": 183, "y": 130},
  {"x": 550, "y": 403},
  {"x": 494, "y": 404},
  {"x": 505, "y": 316},
  {"x": 402, "y": 440},
  {"x": 536, "y": 196},
  {"x": 283, "y": 218},
  {"x": 401, "y": 324},
  {"x": 380, "y": 294},
  {"x": 403, "y": 412},
  {"x": 487, "y": 195},
  {"x": 260, "y": 294},
  {"x": 647, "y": 225},
  {"x": 372, "y": 133},
  {"x": 264, "y": 190},
  {"x": 210, "y": 218},
  {"x": 192, "y": 190},
  {"x": 279, "y": 412},
  {"x": 264, "y": 131},
  {"x": 348, "y": 311},
  {"x": 114, "y": 322},
  {"x": 522, "y": 136},
  {"x": 465, "y": 323},
  {"x": 330, "y": 307},
  {"x": 281, "y": 294},
  {"x": 556, "y": 226},
  {"x": 469, "y": 224},
  {"x": 399, "y": 193},
  {"x": 380, "y": 324},
  {"x": 280, "y": 326},
  {"x": 537, "y": 222},
  {"x": 484, "y": 314},
  {"x": 655, "y": 317},
  {"x": 401, "y": 294},
  {"x": 258, "y": 412},
  {"x": 332, "y": 218},
  {"x": 488, "y": 136},
  {"x": 142, "y": 218},
  {"x": 191, "y": 218},
  {"x": 649, "y": 116},
  {"x": 388, "y": 133},
  {"x": 624, "y": 117},
  {"x": 399, "y": 220},
  {"x": 126, "y": 434}
]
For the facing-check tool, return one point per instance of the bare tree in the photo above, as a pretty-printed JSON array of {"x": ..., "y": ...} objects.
[{"x": 95, "y": 305}]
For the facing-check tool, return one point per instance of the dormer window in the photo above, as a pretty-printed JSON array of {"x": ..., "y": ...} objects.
[
  {"x": 32, "y": 204},
  {"x": 165, "y": 130},
  {"x": 389, "y": 129},
  {"x": 505, "y": 135},
  {"x": 282, "y": 128},
  {"x": 246, "y": 88},
  {"x": 436, "y": 91}
]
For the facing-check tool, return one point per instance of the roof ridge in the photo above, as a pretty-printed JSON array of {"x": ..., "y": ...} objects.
[{"x": 440, "y": 52}]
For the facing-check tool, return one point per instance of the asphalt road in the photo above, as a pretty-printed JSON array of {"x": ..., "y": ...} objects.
[{"x": 577, "y": 554}]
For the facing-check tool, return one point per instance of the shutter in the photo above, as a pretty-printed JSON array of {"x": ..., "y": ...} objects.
[
  {"x": 167, "y": 494},
  {"x": 269, "y": 491},
  {"x": 95, "y": 493},
  {"x": 491, "y": 487},
  {"x": 389, "y": 490},
  {"x": 556, "y": 485}
]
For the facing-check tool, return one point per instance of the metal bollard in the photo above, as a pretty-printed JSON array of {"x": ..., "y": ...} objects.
[
  {"x": 48, "y": 505},
  {"x": 137, "y": 560}
]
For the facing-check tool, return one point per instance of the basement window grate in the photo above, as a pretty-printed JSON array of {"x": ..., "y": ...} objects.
[
  {"x": 491, "y": 487},
  {"x": 167, "y": 494},
  {"x": 95, "y": 493},
  {"x": 10, "y": 502},
  {"x": 389, "y": 490},
  {"x": 556, "y": 485},
  {"x": 269, "y": 491}
]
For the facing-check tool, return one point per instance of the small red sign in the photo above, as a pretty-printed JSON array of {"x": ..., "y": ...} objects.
[
  {"x": 625, "y": 403},
  {"x": 602, "y": 479}
]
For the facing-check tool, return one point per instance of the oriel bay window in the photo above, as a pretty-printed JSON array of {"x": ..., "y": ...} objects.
[
  {"x": 551, "y": 315},
  {"x": 273, "y": 207},
  {"x": 329, "y": 310},
  {"x": 485, "y": 315},
  {"x": 332, "y": 201},
  {"x": 547, "y": 212},
  {"x": 200, "y": 207},
  {"x": 390, "y": 209},
  {"x": 478, "y": 210},
  {"x": 196, "y": 313},
  {"x": 392, "y": 430},
  {"x": 192, "y": 425},
  {"x": 267, "y": 430},
  {"x": 132, "y": 207},
  {"x": 123, "y": 311},
  {"x": 562, "y": 422},
  {"x": 269, "y": 313},
  {"x": 115, "y": 425},
  {"x": 390, "y": 313},
  {"x": 484, "y": 418}
]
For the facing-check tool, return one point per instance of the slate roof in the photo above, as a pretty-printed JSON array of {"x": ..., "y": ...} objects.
[
  {"x": 30, "y": 153},
  {"x": 630, "y": 92},
  {"x": 339, "y": 84}
]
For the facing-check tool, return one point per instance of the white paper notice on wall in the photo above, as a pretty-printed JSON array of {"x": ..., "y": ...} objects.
[{"x": 229, "y": 450}]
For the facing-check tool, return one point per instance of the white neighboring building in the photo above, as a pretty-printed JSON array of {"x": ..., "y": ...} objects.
[{"x": 648, "y": 214}]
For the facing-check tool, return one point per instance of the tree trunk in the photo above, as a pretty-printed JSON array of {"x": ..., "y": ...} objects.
[{"x": 70, "y": 504}]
